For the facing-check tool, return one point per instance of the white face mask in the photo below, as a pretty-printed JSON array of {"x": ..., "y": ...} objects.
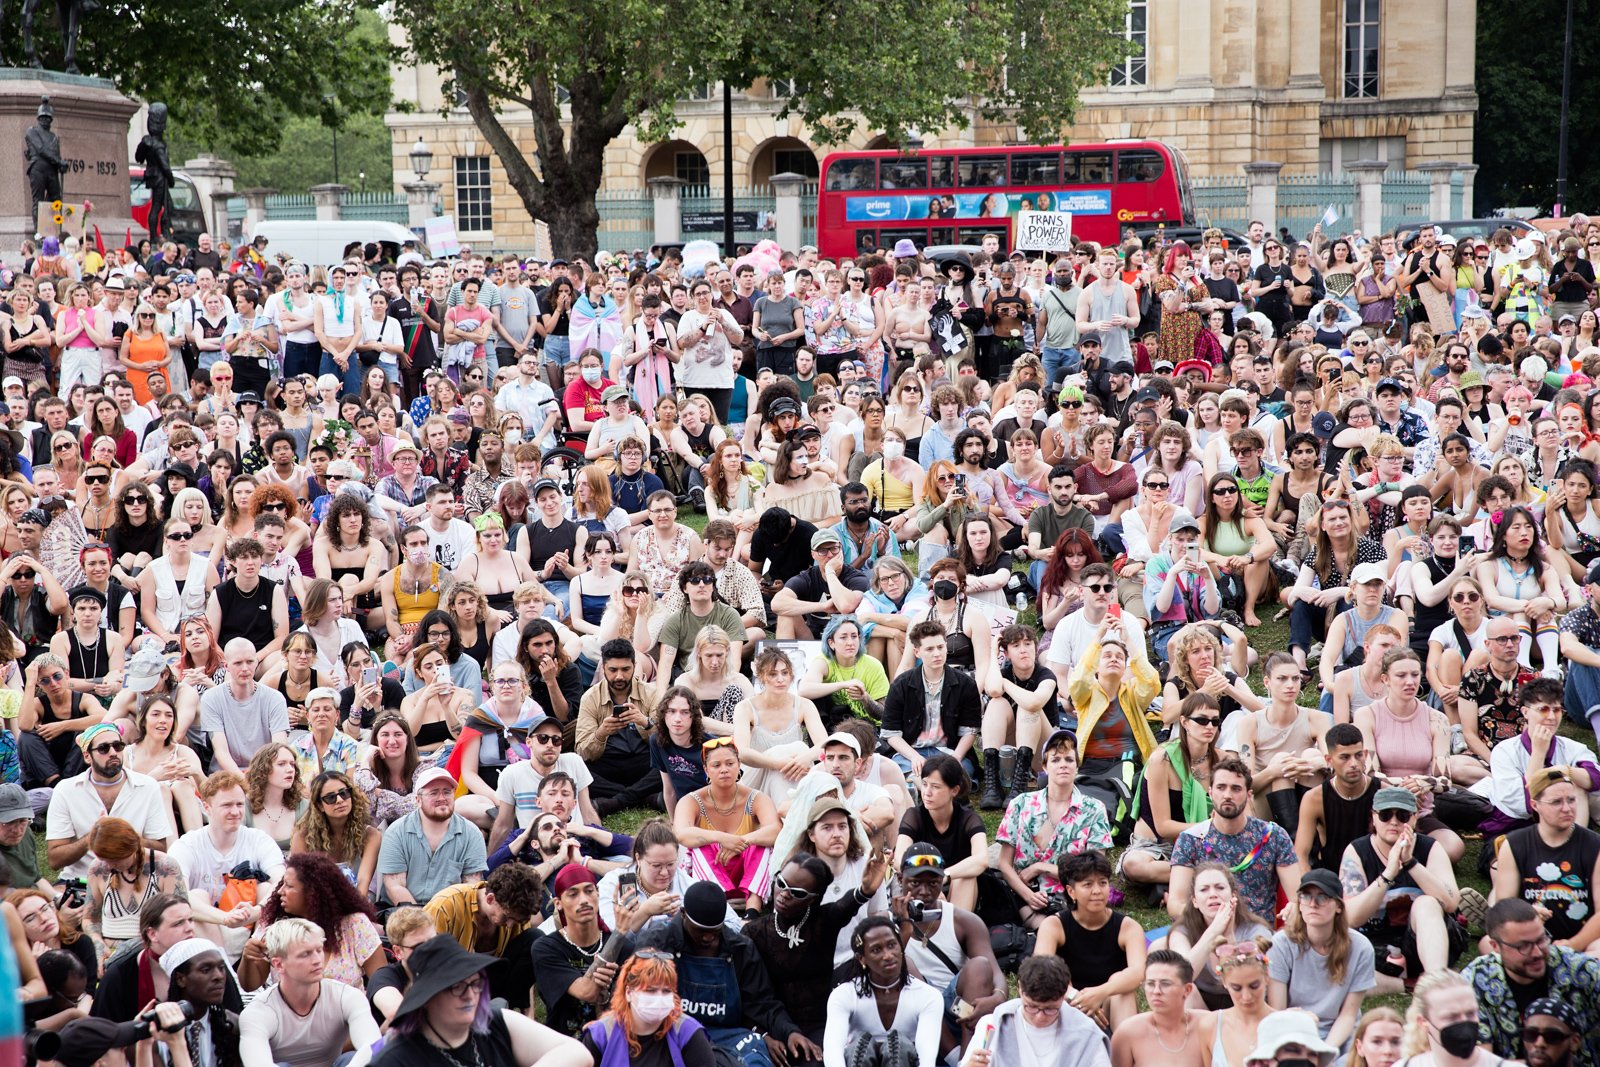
[
  {"x": 513, "y": 436},
  {"x": 419, "y": 555},
  {"x": 893, "y": 449},
  {"x": 591, "y": 375},
  {"x": 652, "y": 1008}
]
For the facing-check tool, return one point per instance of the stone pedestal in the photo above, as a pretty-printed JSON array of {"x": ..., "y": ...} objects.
[
  {"x": 329, "y": 199},
  {"x": 1261, "y": 185},
  {"x": 421, "y": 199},
  {"x": 91, "y": 118},
  {"x": 666, "y": 195},
  {"x": 1369, "y": 194}
]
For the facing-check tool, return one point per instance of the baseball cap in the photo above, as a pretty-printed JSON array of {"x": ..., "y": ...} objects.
[
  {"x": 806, "y": 432},
  {"x": 431, "y": 775},
  {"x": 1090, "y": 339},
  {"x": 705, "y": 904},
  {"x": 1545, "y": 777},
  {"x": 823, "y": 805},
  {"x": 13, "y": 380},
  {"x": 614, "y": 392},
  {"x": 1324, "y": 880},
  {"x": 14, "y": 803},
  {"x": 825, "y": 536},
  {"x": 1387, "y": 384},
  {"x": 1121, "y": 366},
  {"x": 1563, "y": 320},
  {"x": 1182, "y": 520},
  {"x": 1323, "y": 424},
  {"x": 250, "y": 397},
  {"x": 832, "y": 739},
  {"x": 1391, "y": 798},
  {"x": 405, "y": 446},
  {"x": 1146, "y": 395},
  {"x": 542, "y": 484},
  {"x": 922, "y": 857},
  {"x": 1368, "y": 572}
]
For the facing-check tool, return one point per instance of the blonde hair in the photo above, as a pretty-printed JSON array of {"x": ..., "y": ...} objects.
[
  {"x": 1416, "y": 1041},
  {"x": 1368, "y": 1018},
  {"x": 1386, "y": 444},
  {"x": 284, "y": 934}
]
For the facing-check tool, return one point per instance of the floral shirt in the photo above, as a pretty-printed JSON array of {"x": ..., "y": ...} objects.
[
  {"x": 1574, "y": 979},
  {"x": 1085, "y": 826},
  {"x": 1264, "y": 844},
  {"x": 341, "y": 755},
  {"x": 837, "y": 339},
  {"x": 1499, "y": 713}
]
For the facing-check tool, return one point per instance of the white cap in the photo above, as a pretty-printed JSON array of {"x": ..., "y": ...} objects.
[
  {"x": 1369, "y": 572},
  {"x": 843, "y": 739},
  {"x": 13, "y": 380},
  {"x": 1294, "y": 1026},
  {"x": 430, "y": 775}
]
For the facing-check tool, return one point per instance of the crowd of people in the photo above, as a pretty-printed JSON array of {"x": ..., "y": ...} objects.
[{"x": 374, "y": 688}]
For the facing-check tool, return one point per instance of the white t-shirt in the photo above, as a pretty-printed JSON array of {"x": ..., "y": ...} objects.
[
  {"x": 707, "y": 363},
  {"x": 271, "y": 1032},
  {"x": 75, "y": 807},
  {"x": 204, "y": 865},
  {"x": 388, "y": 332},
  {"x": 1074, "y": 634},
  {"x": 519, "y": 785},
  {"x": 450, "y": 546}
]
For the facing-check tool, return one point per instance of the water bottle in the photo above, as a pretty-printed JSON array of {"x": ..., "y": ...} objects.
[
  {"x": 1022, "y": 603},
  {"x": 11, "y": 1027}
]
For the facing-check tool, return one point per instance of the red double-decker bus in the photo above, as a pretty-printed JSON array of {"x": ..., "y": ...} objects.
[{"x": 870, "y": 200}]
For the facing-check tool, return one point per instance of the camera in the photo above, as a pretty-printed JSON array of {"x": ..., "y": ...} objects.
[{"x": 920, "y": 911}]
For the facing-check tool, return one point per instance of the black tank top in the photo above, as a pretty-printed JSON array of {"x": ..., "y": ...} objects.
[
  {"x": 959, "y": 645},
  {"x": 479, "y": 649},
  {"x": 87, "y": 662},
  {"x": 247, "y": 616},
  {"x": 1557, "y": 878},
  {"x": 1379, "y": 927},
  {"x": 700, "y": 443},
  {"x": 1427, "y": 617},
  {"x": 1092, "y": 956},
  {"x": 1343, "y": 821}
]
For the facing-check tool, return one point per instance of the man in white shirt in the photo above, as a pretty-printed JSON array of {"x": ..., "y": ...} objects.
[
  {"x": 1076, "y": 632},
  {"x": 841, "y": 757},
  {"x": 518, "y": 787},
  {"x": 450, "y": 540},
  {"x": 304, "y": 1019},
  {"x": 212, "y": 854},
  {"x": 106, "y": 788},
  {"x": 530, "y": 397}
]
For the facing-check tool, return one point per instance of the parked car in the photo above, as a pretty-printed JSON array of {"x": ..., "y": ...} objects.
[
  {"x": 1190, "y": 235},
  {"x": 323, "y": 243}
]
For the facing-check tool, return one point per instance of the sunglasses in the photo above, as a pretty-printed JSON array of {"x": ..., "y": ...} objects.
[
  {"x": 1225, "y": 490},
  {"x": 1099, "y": 587},
  {"x": 97, "y": 479},
  {"x": 1465, "y": 598},
  {"x": 634, "y": 590},
  {"x": 336, "y": 796},
  {"x": 1157, "y": 485},
  {"x": 181, "y": 535},
  {"x": 1550, "y": 1035},
  {"x": 701, "y": 579},
  {"x": 108, "y": 748},
  {"x": 793, "y": 891},
  {"x": 1074, "y": 404},
  {"x": 716, "y": 743},
  {"x": 65, "y": 447},
  {"x": 1206, "y": 720},
  {"x": 274, "y": 507},
  {"x": 1392, "y": 815},
  {"x": 547, "y": 739}
]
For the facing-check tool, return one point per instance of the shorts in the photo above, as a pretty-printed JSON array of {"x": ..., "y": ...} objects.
[
  {"x": 1161, "y": 850},
  {"x": 391, "y": 372}
]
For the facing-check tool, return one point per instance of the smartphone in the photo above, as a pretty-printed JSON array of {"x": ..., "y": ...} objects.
[
  {"x": 627, "y": 880},
  {"x": 369, "y": 676},
  {"x": 1194, "y": 553},
  {"x": 1114, "y": 611},
  {"x": 1468, "y": 543},
  {"x": 619, "y": 710},
  {"x": 961, "y": 482}
]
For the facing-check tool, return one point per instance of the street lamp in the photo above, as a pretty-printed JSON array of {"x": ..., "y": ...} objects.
[{"x": 421, "y": 159}]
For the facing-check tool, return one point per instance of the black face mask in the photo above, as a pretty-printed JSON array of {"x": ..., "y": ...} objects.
[
  {"x": 945, "y": 589},
  {"x": 1296, "y": 1063},
  {"x": 1459, "y": 1039}
]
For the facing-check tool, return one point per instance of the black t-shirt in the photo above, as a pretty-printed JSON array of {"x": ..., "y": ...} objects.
[
  {"x": 1570, "y": 292},
  {"x": 391, "y": 697},
  {"x": 654, "y": 1052},
  {"x": 1041, "y": 674},
  {"x": 492, "y": 1049},
  {"x": 1223, "y": 289},
  {"x": 557, "y": 963},
  {"x": 809, "y": 585},
  {"x": 1278, "y": 299},
  {"x": 955, "y": 843},
  {"x": 787, "y": 558},
  {"x": 1560, "y": 879},
  {"x": 543, "y": 542},
  {"x": 389, "y": 976}
]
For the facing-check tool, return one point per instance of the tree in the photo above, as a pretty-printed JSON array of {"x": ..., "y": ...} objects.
[
  {"x": 1519, "y": 106},
  {"x": 889, "y": 67},
  {"x": 234, "y": 71},
  {"x": 305, "y": 158}
]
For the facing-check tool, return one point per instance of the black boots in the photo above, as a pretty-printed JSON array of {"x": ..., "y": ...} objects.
[
  {"x": 1023, "y": 780},
  {"x": 993, "y": 798}
]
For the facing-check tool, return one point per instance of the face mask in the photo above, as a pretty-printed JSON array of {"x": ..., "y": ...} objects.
[
  {"x": 513, "y": 436},
  {"x": 1064, "y": 280},
  {"x": 1295, "y": 1063},
  {"x": 944, "y": 589},
  {"x": 591, "y": 375},
  {"x": 893, "y": 449},
  {"x": 419, "y": 556},
  {"x": 651, "y": 1009},
  {"x": 1459, "y": 1039}
]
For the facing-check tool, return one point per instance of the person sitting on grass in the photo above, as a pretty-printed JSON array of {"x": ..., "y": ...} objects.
[{"x": 1103, "y": 948}]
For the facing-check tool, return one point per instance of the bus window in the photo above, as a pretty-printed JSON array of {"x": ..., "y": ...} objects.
[
  {"x": 1041, "y": 169},
  {"x": 942, "y": 235},
  {"x": 866, "y": 242},
  {"x": 973, "y": 235},
  {"x": 981, "y": 171},
  {"x": 903, "y": 174},
  {"x": 1086, "y": 168},
  {"x": 1139, "y": 165},
  {"x": 853, "y": 174},
  {"x": 941, "y": 172}
]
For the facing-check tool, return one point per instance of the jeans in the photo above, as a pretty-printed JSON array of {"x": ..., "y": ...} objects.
[
  {"x": 746, "y": 1045},
  {"x": 350, "y": 376},
  {"x": 1583, "y": 692},
  {"x": 1058, "y": 361},
  {"x": 928, "y": 752},
  {"x": 558, "y": 349},
  {"x": 559, "y": 588},
  {"x": 1111, "y": 537},
  {"x": 1309, "y": 622},
  {"x": 1036, "y": 571},
  {"x": 299, "y": 357}
]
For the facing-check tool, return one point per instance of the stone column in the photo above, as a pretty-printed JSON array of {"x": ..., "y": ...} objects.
[
  {"x": 1369, "y": 194},
  {"x": 1195, "y": 66},
  {"x": 255, "y": 208},
  {"x": 213, "y": 179},
  {"x": 787, "y": 188},
  {"x": 1438, "y": 187},
  {"x": 329, "y": 199},
  {"x": 667, "y": 194},
  {"x": 421, "y": 197},
  {"x": 1261, "y": 188},
  {"x": 217, "y": 213},
  {"x": 1469, "y": 174}
]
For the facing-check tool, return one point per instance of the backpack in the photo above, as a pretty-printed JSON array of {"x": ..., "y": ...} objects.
[{"x": 1012, "y": 944}]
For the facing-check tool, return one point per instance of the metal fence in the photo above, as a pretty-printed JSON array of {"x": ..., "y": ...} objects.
[
  {"x": 1406, "y": 199},
  {"x": 1222, "y": 201},
  {"x": 292, "y": 207},
  {"x": 754, "y": 216},
  {"x": 627, "y": 219},
  {"x": 375, "y": 207},
  {"x": 1303, "y": 200}
]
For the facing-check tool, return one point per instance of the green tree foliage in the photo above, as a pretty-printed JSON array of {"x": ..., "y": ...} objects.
[
  {"x": 1519, "y": 105},
  {"x": 305, "y": 157},
  {"x": 888, "y": 67},
  {"x": 234, "y": 72}
]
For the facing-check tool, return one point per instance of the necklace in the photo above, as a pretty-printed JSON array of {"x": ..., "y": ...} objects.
[
  {"x": 587, "y": 953},
  {"x": 444, "y": 1050},
  {"x": 729, "y": 810},
  {"x": 84, "y": 650},
  {"x": 1182, "y": 1044},
  {"x": 792, "y": 935},
  {"x": 887, "y": 988}
]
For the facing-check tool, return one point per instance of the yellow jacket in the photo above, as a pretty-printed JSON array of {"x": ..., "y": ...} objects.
[{"x": 1140, "y": 686}]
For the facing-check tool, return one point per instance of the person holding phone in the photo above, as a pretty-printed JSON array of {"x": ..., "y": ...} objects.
[{"x": 1178, "y": 587}]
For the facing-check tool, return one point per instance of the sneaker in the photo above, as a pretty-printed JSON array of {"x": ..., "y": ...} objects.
[
  {"x": 1474, "y": 907},
  {"x": 1551, "y": 672},
  {"x": 1314, "y": 653},
  {"x": 697, "y": 497}
]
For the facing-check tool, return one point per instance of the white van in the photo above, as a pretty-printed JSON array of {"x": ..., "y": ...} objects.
[{"x": 322, "y": 244}]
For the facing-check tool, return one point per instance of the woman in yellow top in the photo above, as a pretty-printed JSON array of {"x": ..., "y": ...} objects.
[
  {"x": 144, "y": 349},
  {"x": 895, "y": 483},
  {"x": 1111, "y": 689}
]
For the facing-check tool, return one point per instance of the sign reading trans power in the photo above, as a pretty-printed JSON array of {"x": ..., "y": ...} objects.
[
  {"x": 1043, "y": 231},
  {"x": 997, "y": 205}
]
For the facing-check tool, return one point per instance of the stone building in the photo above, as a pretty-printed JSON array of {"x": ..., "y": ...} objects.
[{"x": 1312, "y": 84}]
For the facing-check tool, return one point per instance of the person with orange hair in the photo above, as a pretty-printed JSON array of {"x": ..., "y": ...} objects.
[{"x": 646, "y": 1023}]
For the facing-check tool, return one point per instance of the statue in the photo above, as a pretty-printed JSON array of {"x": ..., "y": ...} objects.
[
  {"x": 69, "y": 14},
  {"x": 41, "y": 149},
  {"x": 152, "y": 153}
]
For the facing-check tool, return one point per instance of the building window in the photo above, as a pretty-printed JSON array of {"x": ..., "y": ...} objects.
[
  {"x": 474, "y": 202},
  {"x": 780, "y": 88},
  {"x": 1360, "y": 49},
  {"x": 1133, "y": 70},
  {"x": 703, "y": 91},
  {"x": 692, "y": 169},
  {"x": 795, "y": 161},
  {"x": 1337, "y": 153}
]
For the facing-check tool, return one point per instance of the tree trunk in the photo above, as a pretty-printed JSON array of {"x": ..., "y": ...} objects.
[{"x": 574, "y": 223}]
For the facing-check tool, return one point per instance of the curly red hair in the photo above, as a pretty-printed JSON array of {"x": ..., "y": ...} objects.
[
  {"x": 642, "y": 973},
  {"x": 275, "y": 492}
]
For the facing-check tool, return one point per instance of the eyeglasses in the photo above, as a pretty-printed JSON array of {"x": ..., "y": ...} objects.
[
  {"x": 108, "y": 748},
  {"x": 1392, "y": 815},
  {"x": 180, "y": 535},
  {"x": 1507, "y": 638},
  {"x": 1099, "y": 587},
  {"x": 471, "y": 986},
  {"x": 700, "y": 579},
  {"x": 1157, "y": 485},
  {"x": 1538, "y": 944},
  {"x": 1206, "y": 720},
  {"x": 794, "y": 891},
  {"x": 336, "y": 796},
  {"x": 438, "y": 632},
  {"x": 547, "y": 739},
  {"x": 1313, "y": 896},
  {"x": 97, "y": 479},
  {"x": 1465, "y": 598},
  {"x": 1550, "y": 1035}
]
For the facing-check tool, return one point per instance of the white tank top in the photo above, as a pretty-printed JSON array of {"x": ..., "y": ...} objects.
[
  {"x": 172, "y": 603},
  {"x": 935, "y": 971}
]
